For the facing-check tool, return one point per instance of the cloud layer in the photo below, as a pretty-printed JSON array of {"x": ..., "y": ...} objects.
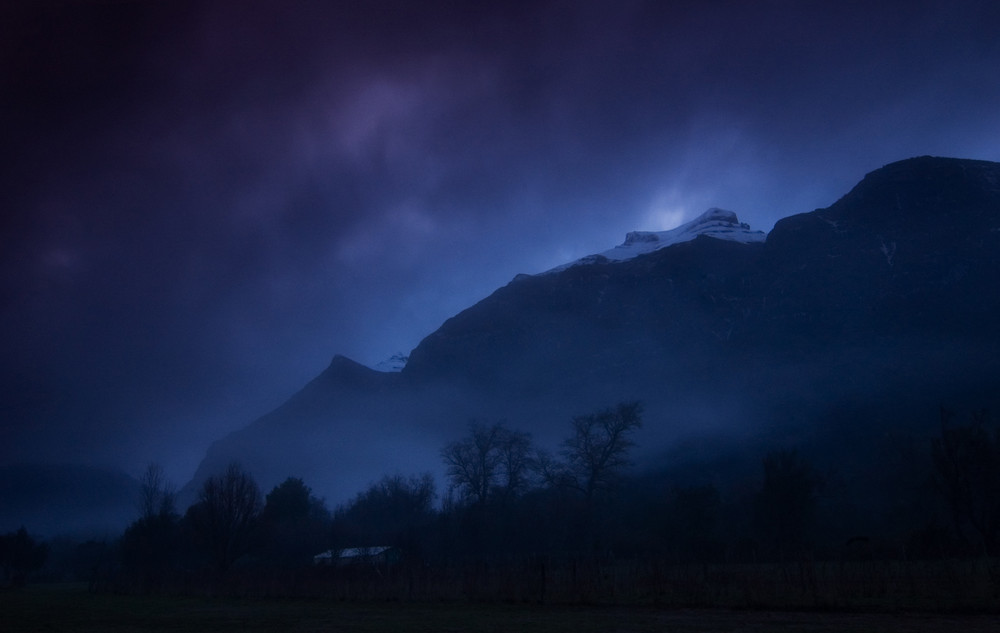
[{"x": 204, "y": 201}]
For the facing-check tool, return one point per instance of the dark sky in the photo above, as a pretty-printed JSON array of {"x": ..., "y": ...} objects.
[{"x": 203, "y": 202}]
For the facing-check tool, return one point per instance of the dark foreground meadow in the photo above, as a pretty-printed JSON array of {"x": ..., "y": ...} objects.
[{"x": 70, "y": 607}]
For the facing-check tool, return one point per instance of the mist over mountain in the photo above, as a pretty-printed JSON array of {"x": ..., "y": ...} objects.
[{"x": 846, "y": 323}]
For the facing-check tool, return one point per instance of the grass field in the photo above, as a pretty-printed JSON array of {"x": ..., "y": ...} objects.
[{"x": 72, "y": 608}]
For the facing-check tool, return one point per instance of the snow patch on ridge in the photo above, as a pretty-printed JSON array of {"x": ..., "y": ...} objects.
[
  {"x": 394, "y": 363},
  {"x": 717, "y": 223}
]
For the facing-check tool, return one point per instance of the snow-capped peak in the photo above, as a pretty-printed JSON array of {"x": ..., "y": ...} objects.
[
  {"x": 717, "y": 223},
  {"x": 396, "y": 362}
]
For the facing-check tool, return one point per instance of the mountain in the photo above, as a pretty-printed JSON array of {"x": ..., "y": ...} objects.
[
  {"x": 717, "y": 223},
  {"x": 840, "y": 325},
  {"x": 66, "y": 500}
]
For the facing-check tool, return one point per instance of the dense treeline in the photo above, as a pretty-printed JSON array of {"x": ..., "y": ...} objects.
[
  {"x": 20, "y": 555},
  {"x": 517, "y": 522}
]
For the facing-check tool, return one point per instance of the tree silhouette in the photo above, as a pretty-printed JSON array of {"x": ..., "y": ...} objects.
[
  {"x": 19, "y": 556},
  {"x": 292, "y": 501},
  {"x": 294, "y": 524},
  {"x": 149, "y": 549},
  {"x": 597, "y": 450},
  {"x": 390, "y": 512},
  {"x": 226, "y": 514},
  {"x": 150, "y": 545},
  {"x": 967, "y": 460},
  {"x": 491, "y": 460},
  {"x": 786, "y": 504},
  {"x": 156, "y": 496},
  {"x": 693, "y": 522}
]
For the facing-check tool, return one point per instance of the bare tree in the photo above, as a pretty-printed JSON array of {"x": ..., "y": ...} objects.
[
  {"x": 491, "y": 459},
  {"x": 516, "y": 462},
  {"x": 551, "y": 470},
  {"x": 156, "y": 496},
  {"x": 597, "y": 450},
  {"x": 149, "y": 545},
  {"x": 226, "y": 514}
]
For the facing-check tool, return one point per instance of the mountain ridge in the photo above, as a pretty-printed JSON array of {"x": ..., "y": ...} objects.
[
  {"x": 847, "y": 324},
  {"x": 715, "y": 223},
  {"x": 886, "y": 295}
]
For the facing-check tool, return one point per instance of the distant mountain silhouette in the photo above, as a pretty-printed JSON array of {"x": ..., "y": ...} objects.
[
  {"x": 863, "y": 316},
  {"x": 67, "y": 500}
]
